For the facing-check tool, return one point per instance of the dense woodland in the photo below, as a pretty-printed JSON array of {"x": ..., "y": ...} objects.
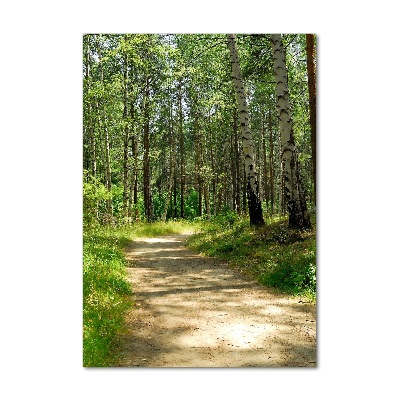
[
  {"x": 182, "y": 126},
  {"x": 212, "y": 133}
]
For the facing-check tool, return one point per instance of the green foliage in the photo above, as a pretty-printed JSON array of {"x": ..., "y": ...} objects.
[
  {"x": 105, "y": 294},
  {"x": 274, "y": 255},
  {"x": 160, "y": 228},
  {"x": 159, "y": 200},
  {"x": 106, "y": 290},
  {"x": 192, "y": 204},
  {"x": 226, "y": 219},
  {"x": 294, "y": 271},
  {"x": 95, "y": 196},
  {"x": 182, "y": 83}
]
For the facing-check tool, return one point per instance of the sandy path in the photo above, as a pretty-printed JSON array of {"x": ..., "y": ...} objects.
[{"x": 196, "y": 312}]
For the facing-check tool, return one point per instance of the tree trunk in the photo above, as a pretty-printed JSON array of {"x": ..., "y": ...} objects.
[
  {"x": 237, "y": 167},
  {"x": 310, "y": 50},
  {"x": 133, "y": 210},
  {"x": 108, "y": 170},
  {"x": 126, "y": 140},
  {"x": 299, "y": 217},
  {"x": 175, "y": 192},
  {"x": 265, "y": 166},
  {"x": 233, "y": 169},
  {"x": 171, "y": 167},
  {"x": 271, "y": 163},
  {"x": 146, "y": 153},
  {"x": 213, "y": 177},
  {"x": 198, "y": 160},
  {"x": 93, "y": 165},
  {"x": 244, "y": 190},
  {"x": 252, "y": 186},
  {"x": 182, "y": 154},
  {"x": 106, "y": 138},
  {"x": 207, "y": 200}
]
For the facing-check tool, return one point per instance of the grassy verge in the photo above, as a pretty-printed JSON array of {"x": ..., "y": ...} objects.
[
  {"x": 106, "y": 290},
  {"x": 274, "y": 255},
  {"x": 105, "y": 294}
]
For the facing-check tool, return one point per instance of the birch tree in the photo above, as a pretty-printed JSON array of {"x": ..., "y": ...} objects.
[
  {"x": 293, "y": 191},
  {"x": 252, "y": 185}
]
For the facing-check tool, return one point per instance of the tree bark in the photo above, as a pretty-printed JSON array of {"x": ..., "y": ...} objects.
[
  {"x": 312, "y": 92},
  {"x": 198, "y": 156},
  {"x": 134, "y": 209},
  {"x": 237, "y": 167},
  {"x": 252, "y": 186},
  {"x": 265, "y": 166},
  {"x": 271, "y": 163},
  {"x": 294, "y": 198},
  {"x": 126, "y": 140},
  {"x": 93, "y": 164},
  {"x": 171, "y": 167},
  {"x": 213, "y": 175},
  {"x": 146, "y": 153},
  {"x": 106, "y": 139},
  {"x": 233, "y": 168},
  {"x": 181, "y": 153}
]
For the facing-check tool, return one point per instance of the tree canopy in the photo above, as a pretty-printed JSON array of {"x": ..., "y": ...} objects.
[{"x": 162, "y": 132}]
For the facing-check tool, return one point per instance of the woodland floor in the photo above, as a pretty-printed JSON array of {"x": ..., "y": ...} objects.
[{"x": 195, "y": 311}]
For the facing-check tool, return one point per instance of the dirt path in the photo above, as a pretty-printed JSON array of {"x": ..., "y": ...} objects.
[{"x": 194, "y": 311}]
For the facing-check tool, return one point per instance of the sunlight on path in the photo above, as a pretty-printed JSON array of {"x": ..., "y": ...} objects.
[{"x": 194, "y": 311}]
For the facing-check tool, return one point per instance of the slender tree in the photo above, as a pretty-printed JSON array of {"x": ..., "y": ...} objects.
[
  {"x": 252, "y": 185},
  {"x": 293, "y": 191},
  {"x": 310, "y": 50},
  {"x": 271, "y": 162},
  {"x": 102, "y": 121},
  {"x": 171, "y": 164},
  {"x": 88, "y": 109},
  {"x": 126, "y": 140},
  {"x": 265, "y": 166},
  {"x": 181, "y": 154},
  {"x": 146, "y": 155}
]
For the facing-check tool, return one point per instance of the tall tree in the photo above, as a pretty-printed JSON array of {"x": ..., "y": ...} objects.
[
  {"x": 103, "y": 123},
  {"x": 252, "y": 186},
  {"x": 171, "y": 163},
  {"x": 271, "y": 162},
  {"x": 126, "y": 139},
  {"x": 181, "y": 153},
  {"x": 88, "y": 109},
  {"x": 293, "y": 191},
  {"x": 146, "y": 155},
  {"x": 310, "y": 50}
]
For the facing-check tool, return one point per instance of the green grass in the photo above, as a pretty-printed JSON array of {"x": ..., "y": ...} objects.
[
  {"x": 105, "y": 294},
  {"x": 274, "y": 255},
  {"x": 160, "y": 228},
  {"x": 106, "y": 290}
]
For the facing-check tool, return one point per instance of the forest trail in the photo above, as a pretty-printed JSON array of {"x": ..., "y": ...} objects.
[{"x": 195, "y": 311}]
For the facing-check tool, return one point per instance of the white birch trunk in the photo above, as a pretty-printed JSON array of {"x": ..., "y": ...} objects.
[
  {"x": 252, "y": 185},
  {"x": 298, "y": 215}
]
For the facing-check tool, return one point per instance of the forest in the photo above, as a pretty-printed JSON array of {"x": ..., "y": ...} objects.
[
  {"x": 208, "y": 133},
  {"x": 162, "y": 129}
]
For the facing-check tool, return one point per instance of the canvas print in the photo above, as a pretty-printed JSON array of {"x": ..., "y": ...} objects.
[{"x": 199, "y": 200}]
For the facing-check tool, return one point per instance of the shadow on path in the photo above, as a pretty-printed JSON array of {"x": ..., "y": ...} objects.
[{"x": 194, "y": 311}]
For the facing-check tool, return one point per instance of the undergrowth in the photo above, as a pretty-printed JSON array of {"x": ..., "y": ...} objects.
[
  {"x": 106, "y": 290},
  {"x": 274, "y": 255}
]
